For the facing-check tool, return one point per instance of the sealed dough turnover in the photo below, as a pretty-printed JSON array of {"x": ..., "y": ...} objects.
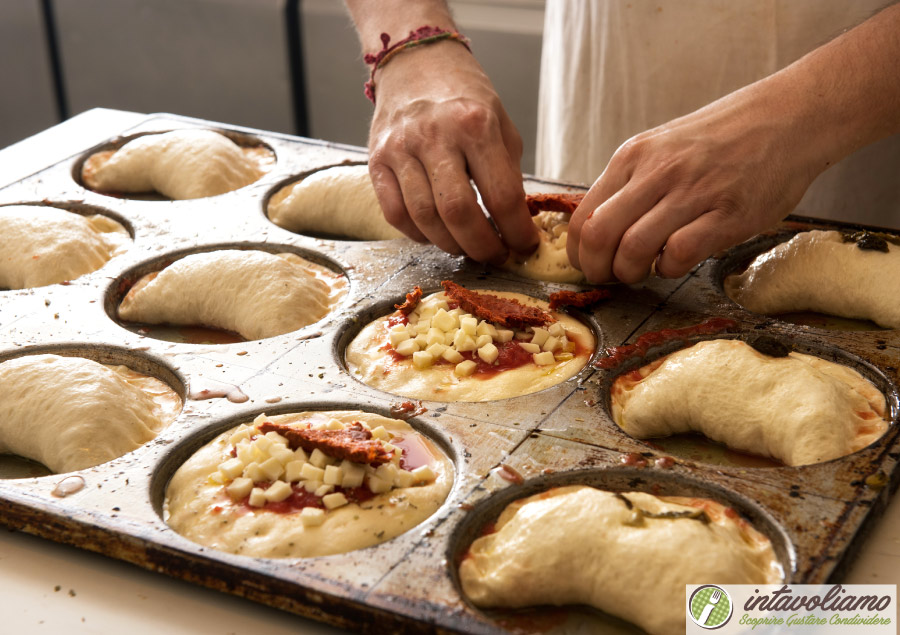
[
  {"x": 799, "y": 409},
  {"x": 339, "y": 201},
  {"x": 71, "y": 413},
  {"x": 441, "y": 351},
  {"x": 254, "y": 490},
  {"x": 827, "y": 272},
  {"x": 45, "y": 245},
  {"x": 254, "y": 293},
  {"x": 182, "y": 164},
  {"x": 580, "y": 545}
]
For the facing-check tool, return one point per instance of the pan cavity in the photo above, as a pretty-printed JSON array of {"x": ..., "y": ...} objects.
[
  {"x": 46, "y": 244},
  {"x": 441, "y": 351},
  {"x": 179, "y": 164},
  {"x": 72, "y": 407},
  {"x": 227, "y": 293},
  {"x": 299, "y": 484},
  {"x": 751, "y": 400},
  {"x": 836, "y": 280},
  {"x": 603, "y": 523}
]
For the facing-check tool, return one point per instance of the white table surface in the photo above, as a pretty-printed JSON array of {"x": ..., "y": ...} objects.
[{"x": 98, "y": 595}]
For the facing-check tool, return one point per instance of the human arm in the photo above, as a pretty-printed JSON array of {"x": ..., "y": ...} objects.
[
  {"x": 438, "y": 121},
  {"x": 719, "y": 175}
]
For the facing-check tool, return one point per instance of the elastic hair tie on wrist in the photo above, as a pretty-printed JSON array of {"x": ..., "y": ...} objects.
[{"x": 422, "y": 35}]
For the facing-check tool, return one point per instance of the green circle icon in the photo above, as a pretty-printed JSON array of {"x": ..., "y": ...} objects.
[{"x": 710, "y": 606}]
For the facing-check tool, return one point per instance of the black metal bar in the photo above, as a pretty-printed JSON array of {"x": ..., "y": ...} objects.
[
  {"x": 295, "y": 64},
  {"x": 52, "y": 39}
]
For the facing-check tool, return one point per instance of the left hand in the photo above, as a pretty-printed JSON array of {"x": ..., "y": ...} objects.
[{"x": 681, "y": 192}]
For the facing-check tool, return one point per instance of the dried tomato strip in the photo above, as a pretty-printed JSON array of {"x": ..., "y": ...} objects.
[
  {"x": 577, "y": 298},
  {"x": 554, "y": 202},
  {"x": 354, "y": 443},
  {"x": 506, "y": 312},
  {"x": 412, "y": 301}
]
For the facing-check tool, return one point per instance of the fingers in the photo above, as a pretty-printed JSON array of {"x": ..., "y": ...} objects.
[
  {"x": 611, "y": 181},
  {"x": 390, "y": 197},
  {"x": 711, "y": 232}
]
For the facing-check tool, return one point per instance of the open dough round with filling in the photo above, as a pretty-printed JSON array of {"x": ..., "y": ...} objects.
[
  {"x": 45, "y": 245},
  {"x": 549, "y": 262},
  {"x": 71, "y": 413},
  {"x": 430, "y": 355},
  {"x": 181, "y": 164},
  {"x": 580, "y": 545},
  {"x": 824, "y": 272},
  {"x": 339, "y": 201},
  {"x": 253, "y": 293},
  {"x": 799, "y": 409},
  {"x": 254, "y": 490}
]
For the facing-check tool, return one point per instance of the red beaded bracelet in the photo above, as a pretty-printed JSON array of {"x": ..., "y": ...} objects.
[{"x": 422, "y": 35}]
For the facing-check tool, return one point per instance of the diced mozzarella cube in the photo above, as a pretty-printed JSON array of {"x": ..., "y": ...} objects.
[
  {"x": 254, "y": 472},
  {"x": 489, "y": 353},
  {"x": 560, "y": 241},
  {"x": 452, "y": 355},
  {"x": 486, "y": 328},
  {"x": 551, "y": 344},
  {"x": 557, "y": 329},
  {"x": 504, "y": 335},
  {"x": 278, "y": 491},
  {"x": 318, "y": 458},
  {"x": 422, "y": 326},
  {"x": 404, "y": 478},
  {"x": 423, "y": 474},
  {"x": 481, "y": 340},
  {"x": 312, "y": 486},
  {"x": 332, "y": 501},
  {"x": 386, "y": 472},
  {"x": 563, "y": 357},
  {"x": 421, "y": 341},
  {"x": 377, "y": 485},
  {"x": 469, "y": 324},
  {"x": 531, "y": 348},
  {"x": 444, "y": 321},
  {"x": 436, "y": 350},
  {"x": 407, "y": 347},
  {"x": 293, "y": 471},
  {"x": 272, "y": 468},
  {"x": 276, "y": 438},
  {"x": 218, "y": 478},
  {"x": 312, "y": 516},
  {"x": 243, "y": 432},
  {"x": 450, "y": 336},
  {"x": 260, "y": 419},
  {"x": 244, "y": 452},
  {"x": 558, "y": 229},
  {"x": 381, "y": 433},
  {"x": 464, "y": 342},
  {"x": 263, "y": 443},
  {"x": 239, "y": 488},
  {"x": 540, "y": 336},
  {"x": 543, "y": 359},
  {"x": 422, "y": 360},
  {"x": 465, "y": 368},
  {"x": 324, "y": 489},
  {"x": 257, "y": 497},
  {"x": 332, "y": 475},
  {"x": 232, "y": 468},
  {"x": 440, "y": 303},
  {"x": 300, "y": 455},
  {"x": 434, "y": 336},
  {"x": 312, "y": 473},
  {"x": 396, "y": 336},
  {"x": 282, "y": 454},
  {"x": 353, "y": 474}
]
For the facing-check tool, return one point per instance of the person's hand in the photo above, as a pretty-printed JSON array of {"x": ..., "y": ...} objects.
[
  {"x": 681, "y": 192},
  {"x": 438, "y": 122}
]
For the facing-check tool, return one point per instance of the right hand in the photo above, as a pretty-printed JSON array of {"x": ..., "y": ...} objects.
[{"x": 438, "y": 121}]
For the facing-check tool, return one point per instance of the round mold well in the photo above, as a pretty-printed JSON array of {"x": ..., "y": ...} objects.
[
  {"x": 195, "y": 334},
  {"x": 181, "y": 451},
  {"x": 296, "y": 178},
  {"x": 241, "y": 139},
  {"x": 383, "y": 308},
  {"x": 77, "y": 207},
  {"x": 12, "y": 466},
  {"x": 615, "y": 479},
  {"x": 738, "y": 258},
  {"x": 697, "y": 448}
]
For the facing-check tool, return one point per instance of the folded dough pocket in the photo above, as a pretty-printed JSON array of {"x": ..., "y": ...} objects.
[
  {"x": 797, "y": 408},
  {"x": 253, "y": 293},
  {"x": 613, "y": 551},
  {"x": 338, "y": 201},
  {"x": 182, "y": 164},
  {"x": 71, "y": 413},
  {"x": 827, "y": 272},
  {"x": 45, "y": 245}
]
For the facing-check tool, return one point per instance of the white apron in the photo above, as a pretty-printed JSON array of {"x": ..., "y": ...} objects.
[{"x": 613, "y": 68}]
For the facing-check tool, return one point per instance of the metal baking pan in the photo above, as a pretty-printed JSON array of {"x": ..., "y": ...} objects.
[{"x": 816, "y": 515}]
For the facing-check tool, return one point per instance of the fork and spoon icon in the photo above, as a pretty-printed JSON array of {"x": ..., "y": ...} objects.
[{"x": 713, "y": 600}]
